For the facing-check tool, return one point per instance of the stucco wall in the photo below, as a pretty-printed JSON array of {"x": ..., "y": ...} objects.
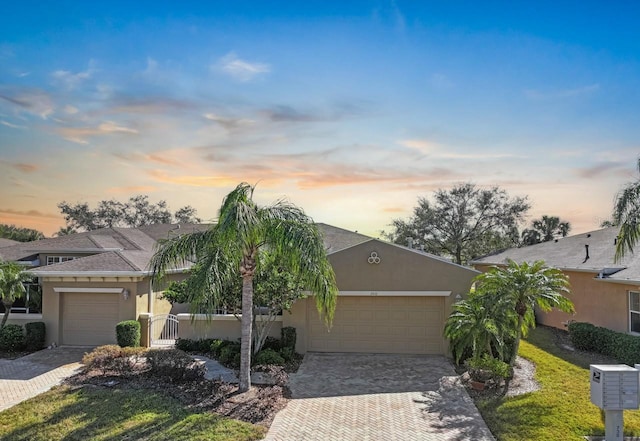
[{"x": 225, "y": 327}]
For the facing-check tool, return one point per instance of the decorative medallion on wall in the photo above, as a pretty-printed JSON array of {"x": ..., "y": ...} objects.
[{"x": 373, "y": 259}]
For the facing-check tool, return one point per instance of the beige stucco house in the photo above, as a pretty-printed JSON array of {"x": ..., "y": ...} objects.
[
  {"x": 604, "y": 292},
  {"x": 392, "y": 299}
]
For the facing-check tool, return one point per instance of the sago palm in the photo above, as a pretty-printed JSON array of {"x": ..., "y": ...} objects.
[
  {"x": 230, "y": 249},
  {"x": 12, "y": 279},
  {"x": 523, "y": 287}
]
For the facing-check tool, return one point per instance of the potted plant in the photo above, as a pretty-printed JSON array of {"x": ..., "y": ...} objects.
[{"x": 486, "y": 370}]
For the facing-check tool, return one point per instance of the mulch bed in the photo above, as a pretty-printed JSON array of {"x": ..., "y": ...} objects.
[{"x": 259, "y": 405}]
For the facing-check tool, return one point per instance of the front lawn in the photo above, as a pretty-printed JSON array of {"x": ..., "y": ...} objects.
[
  {"x": 562, "y": 408},
  {"x": 98, "y": 413}
]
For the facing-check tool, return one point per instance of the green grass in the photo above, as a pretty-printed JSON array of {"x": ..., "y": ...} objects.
[
  {"x": 562, "y": 408},
  {"x": 113, "y": 414}
]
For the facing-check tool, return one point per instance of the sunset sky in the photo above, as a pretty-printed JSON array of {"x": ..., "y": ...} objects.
[{"x": 352, "y": 110}]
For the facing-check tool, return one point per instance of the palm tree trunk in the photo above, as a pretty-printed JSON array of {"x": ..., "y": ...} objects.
[
  {"x": 7, "y": 310},
  {"x": 516, "y": 344},
  {"x": 245, "y": 342}
]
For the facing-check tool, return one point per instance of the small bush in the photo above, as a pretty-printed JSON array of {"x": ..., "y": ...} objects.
[
  {"x": 288, "y": 354},
  {"x": 35, "y": 335},
  {"x": 113, "y": 359},
  {"x": 185, "y": 344},
  {"x": 216, "y": 346},
  {"x": 174, "y": 365},
  {"x": 487, "y": 368},
  {"x": 204, "y": 345},
  {"x": 128, "y": 333},
  {"x": 288, "y": 337},
  {"x": 272, "y": 343},
  {"x": 268, "y": 356},
  {"x": 228, "y": 354},
  {"x": 12, "y": 338}
]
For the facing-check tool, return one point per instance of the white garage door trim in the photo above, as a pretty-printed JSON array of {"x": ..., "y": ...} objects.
[
  {"x": 396, "y": 293},
  {"x": 90, "y": 290}
]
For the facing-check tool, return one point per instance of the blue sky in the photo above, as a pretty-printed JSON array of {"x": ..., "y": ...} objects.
[{"x": 352, "y": 111}]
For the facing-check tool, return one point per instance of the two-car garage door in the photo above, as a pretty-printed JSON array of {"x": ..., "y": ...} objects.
[
  {"x": 405, "y": 325},
  {"x": 89, "y": 318}
]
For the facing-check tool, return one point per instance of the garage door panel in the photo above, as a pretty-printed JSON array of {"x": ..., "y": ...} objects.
[
  {"x": 381, "y": 324},
  {"x": 89, "y": 318}
]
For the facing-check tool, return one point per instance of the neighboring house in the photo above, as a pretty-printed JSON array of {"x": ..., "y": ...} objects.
[
  {"x": 7, "y": 242},
  {"x": 604, "y": 293},
  {"x": 392, "y": 299}
]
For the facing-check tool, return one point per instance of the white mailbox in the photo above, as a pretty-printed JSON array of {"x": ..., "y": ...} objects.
[{"x": 614, "y": 386}]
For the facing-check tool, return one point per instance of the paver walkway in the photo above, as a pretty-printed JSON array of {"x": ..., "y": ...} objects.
[
  {"x": 28, "y": 376},
  {"x": 375, "y": 397}
]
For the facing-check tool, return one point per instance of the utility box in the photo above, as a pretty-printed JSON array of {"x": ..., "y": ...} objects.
[{"x": 615, "y": 386}]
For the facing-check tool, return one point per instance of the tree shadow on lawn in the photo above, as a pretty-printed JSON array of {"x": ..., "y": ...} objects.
[{"x": 113, "y": 414}]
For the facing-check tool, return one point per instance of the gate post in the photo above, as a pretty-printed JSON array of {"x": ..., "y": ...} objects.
[{"x": 145, "y": 323}]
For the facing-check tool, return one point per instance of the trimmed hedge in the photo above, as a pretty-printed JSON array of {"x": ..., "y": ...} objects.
[
  {"x": 623, "y": 347},
  {"x": 174, "y": 364},
  {"x": 128, "y": 333},
  {"x": 35, "y": 335},
  {"x": 268, "y": 356},
  {"x": 12, "y": 338}
]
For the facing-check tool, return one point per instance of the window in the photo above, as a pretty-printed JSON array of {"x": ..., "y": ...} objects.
[
  {"x": 57, "y": 259},
  {"x": 31, "y": 303},
  {"x": 634, "y": 311}
]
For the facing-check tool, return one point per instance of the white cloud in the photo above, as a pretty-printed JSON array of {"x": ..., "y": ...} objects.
[
  {"x": 241, "y": 70},
  {"x": 70, "y": 110},
  {"x": 111, "y": 127},
  {"x": 13, "y": 126},
  {"x": 539, "y": 95},
  {"x": 72, "y": 80}
]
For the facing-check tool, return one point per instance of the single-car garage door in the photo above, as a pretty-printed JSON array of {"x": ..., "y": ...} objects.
[
  {"x": 89, "y": 319},
  {"x": 392, "y": 325}
]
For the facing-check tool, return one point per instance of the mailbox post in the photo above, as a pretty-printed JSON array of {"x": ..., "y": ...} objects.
[{"x": 614, "y": 388}]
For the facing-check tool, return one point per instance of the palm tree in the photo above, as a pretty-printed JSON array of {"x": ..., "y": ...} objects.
[
  {"x": 545, "y": 229},
  {"x": 626, "y": 214},
  {"x": 478, "y": 325},
  {"x": 524, "y": 287},
  {"x": 12, "y": 277},
  {"x": 231, "y": 247}
]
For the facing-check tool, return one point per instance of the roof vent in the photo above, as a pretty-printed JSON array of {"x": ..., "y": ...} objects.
[
  {"x": 410, "y": 242},
  {"x": 589, "y": 235},
  {"x": 586, "y": 249},
  {"x": 555, "y": 240}
]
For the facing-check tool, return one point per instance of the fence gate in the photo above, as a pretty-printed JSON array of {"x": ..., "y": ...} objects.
[{"x": 163, "y": 330}]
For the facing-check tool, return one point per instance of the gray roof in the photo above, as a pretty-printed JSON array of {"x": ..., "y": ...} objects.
[
  {"x": 336, "y": 239},
  {"x": 570, "y": 253},
  {"x": 7, "y": 242}
]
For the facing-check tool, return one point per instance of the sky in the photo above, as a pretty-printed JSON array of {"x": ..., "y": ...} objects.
[{"x": 351, "y": 110}]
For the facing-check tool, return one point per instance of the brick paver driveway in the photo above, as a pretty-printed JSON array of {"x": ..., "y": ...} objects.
[
  {"x": 343, "y": 397},
  {"x": 26, "y": 377}
]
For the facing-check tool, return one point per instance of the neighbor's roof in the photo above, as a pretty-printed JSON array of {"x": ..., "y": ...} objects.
[
  {"x": 570, "y": 253},
  {"x": 7, "y": 242},
  {"x": 336, "y": 239}
]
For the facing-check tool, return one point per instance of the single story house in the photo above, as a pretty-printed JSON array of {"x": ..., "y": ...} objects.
[
  {"x": 392, "y": 299},
  {"x": 604, "y": 292}
]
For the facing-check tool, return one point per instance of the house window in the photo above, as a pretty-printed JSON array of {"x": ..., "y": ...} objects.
[
  {"x": 634, "y": 311},
  {"x": 58, "y": 259},
  {"x": 30, "y": 303}
]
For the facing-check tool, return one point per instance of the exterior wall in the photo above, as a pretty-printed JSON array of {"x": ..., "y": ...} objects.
[
  {"x": 298, "y": 319},
  {"x": 225, "y": 327},
  {"x": 596, "y": 301},
  {"x": 22, "y": 319},
  {"x": 52, "y": 301}
]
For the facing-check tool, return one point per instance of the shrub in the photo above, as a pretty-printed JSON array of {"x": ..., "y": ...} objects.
[
  {"x": 487, "y": 368},
  {"x": 268, "y": 356},
  {"x": 272, "y": 343},
  {"x": 174, "y": 364},
  {"x": 216, "y": 346},
  {"x": 228, "y": 355},
  {"x": 12, "y": 338},
  {"x": 185, "y": 344},
  {"x": 288, "y": 337},
  {"x": 35, "y": 335},
  {"x": 287, "y": 353},
  {"x": 102, "y": 358},
  {"x": 128, "y": 333},
  {"x": 623, "y": 347}
]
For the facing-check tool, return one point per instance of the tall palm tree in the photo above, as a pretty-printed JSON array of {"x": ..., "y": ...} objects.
[
  {"x": 626, "y": 214},
  {"x": 526, "y": 286},
  {"x": 545, "y": 229},
  {"x": 231, "y": 247},
  {"x": 12, "y": 278}
]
